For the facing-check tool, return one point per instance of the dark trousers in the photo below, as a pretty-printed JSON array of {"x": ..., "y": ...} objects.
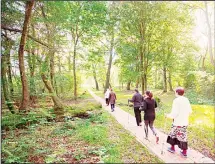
[
  {"x": 150, "y": 124},
  {"x": 107, "y": 101},
  {"x": 137, "y": 113},
  {"x": 112, "y": 106}
]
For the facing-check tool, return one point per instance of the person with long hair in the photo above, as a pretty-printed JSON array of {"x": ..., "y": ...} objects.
[
  {"x": 181, "y": 110},
  {"x": 149, "y": 114}
]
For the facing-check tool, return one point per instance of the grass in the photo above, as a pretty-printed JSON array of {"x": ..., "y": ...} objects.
[
  {"x": 201, "y": 127},
  {"x": 96, "y": 138}
]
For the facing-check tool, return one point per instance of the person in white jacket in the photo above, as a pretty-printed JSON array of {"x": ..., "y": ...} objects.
[
  {"x": 181, "y": 110},
  {"x": 107, "y": 94}
]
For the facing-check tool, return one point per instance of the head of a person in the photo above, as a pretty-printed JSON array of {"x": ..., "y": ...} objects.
[
  {"x": 149, "y": 94},
  {"x": 179, "y": 91},
  {"x": 136, "y": 90},
  {"x": 111, "y": 89}
]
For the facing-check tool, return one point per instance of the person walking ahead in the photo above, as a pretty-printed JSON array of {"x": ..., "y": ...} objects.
[
  {"x": 137, "y": 99},
  {"x": 107, "y": 94},
  {"x": 112, "y": 99},
  {"x": 181, "y": 110},
  {"x": 149, "y": 114}
]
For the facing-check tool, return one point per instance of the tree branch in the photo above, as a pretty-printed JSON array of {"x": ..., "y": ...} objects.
[{"x": 20, "y": 31}]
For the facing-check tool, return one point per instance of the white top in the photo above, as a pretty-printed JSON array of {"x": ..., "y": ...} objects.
[
  {"x": 107, "y": 94},
  {"x": 181, "y": 109}
]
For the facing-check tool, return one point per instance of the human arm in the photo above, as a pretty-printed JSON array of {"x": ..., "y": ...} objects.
[
  {"x": 133, "y": 99},
  {"x": 174, "y": 111}
]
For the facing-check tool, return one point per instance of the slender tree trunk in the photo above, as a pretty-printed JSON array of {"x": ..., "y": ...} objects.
[
  {"x": 52, "y": 69},
  {"x": 145, "y": 81},
  {"x": 58, "y": 105},
  {"x": 32, "y": 66},
  {"x": 170, "y": 81},
  {"x": 31, "y": 63},
  {"x": 25, "y": 92},
  {"x": 74, "y": 73},
  {"x": 59, "y": 71},
  {"x": 107, "y": 83},
  {"x": 142, "y": 34},
  {"x": 128, "y": 85},
  {"x": 96, "y": 82},
  {"x": 4, "y": 85},
  {"x": 164, "y": 80},
  {"x": 95, "y": 78},
  {"x": 209, "y": 35},
  {"x": 9, "y": 72}
]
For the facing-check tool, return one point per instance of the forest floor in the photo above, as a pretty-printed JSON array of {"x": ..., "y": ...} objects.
[
  {"x": 201, "y": 128},
  {"x": 87, "y": 135}
]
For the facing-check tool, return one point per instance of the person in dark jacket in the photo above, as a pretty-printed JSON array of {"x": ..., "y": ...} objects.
[
  {"x": 112, "y": 99},
  {"x": 137, "y": 99},
  {"x": 149, "y": 114}
]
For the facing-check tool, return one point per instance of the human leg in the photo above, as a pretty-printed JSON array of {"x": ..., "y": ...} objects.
[{"x": 146, "y": 124}]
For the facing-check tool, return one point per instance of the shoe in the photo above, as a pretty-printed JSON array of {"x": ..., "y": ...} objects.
[
  {"x": 157, "y": 140},
  {"x": 170, "y": 150},
  {"x": 183, "y": 155},
  {"x": 140, "y": 124}
]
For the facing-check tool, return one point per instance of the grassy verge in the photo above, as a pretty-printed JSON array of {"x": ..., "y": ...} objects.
[
  {"x": 97, "y": 137},
  {"x": 200, "y": 130}
]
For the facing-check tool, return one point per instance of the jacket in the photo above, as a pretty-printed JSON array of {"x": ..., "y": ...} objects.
[
  {"x": 137, "y": 99},
  {"x": 112, "y": 98},
  {"x": 149, "y": 113}
]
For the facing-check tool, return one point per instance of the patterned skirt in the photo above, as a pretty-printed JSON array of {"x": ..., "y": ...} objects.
[{"x": 178, "y": 136}]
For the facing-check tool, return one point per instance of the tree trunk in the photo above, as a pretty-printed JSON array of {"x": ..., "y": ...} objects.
[
  {"x": 31, "y": 63},
  {"x": 4, "y": 85},
  {"x": 107, "y": 83},
  {"x": 170, "y": 82},
  {"x": 94, "y": 76},
  {"x": 25, "y": 92},
  {"x": 141, "y": 69},
  {"x": 9, "y": 70},
  {"x": 128, "y": 85},
  {"x": 59, "y": 71},
  {"x": 96, "y": 82},
  {"x": 164, "y": 80},
  {"x": 58, "y": 105},
  {"x": 209, "y": 35},
  {"x": 52, "y": 69},
  {"x": 32, "y": 66},
  {"x": 74, "y": 73}
]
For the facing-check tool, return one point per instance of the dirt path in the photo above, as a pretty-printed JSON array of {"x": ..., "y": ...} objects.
[{"x": 128, "y": 122}]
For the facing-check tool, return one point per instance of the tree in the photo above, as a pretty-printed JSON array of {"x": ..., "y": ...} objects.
[{"x": 25, "y": 91}]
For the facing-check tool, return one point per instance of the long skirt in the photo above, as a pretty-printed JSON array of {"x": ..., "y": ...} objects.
[{"x": 178, "y": 136}]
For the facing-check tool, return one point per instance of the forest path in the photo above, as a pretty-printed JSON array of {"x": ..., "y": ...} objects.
[{"x": 128, "y": 122}]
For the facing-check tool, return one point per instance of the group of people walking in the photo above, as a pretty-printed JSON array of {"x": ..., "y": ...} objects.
[{"x": 181, "y": 109}]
